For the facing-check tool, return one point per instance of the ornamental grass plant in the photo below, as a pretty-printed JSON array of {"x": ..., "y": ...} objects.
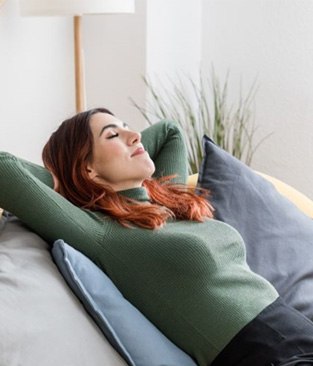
[{"x": 203, "y": 107}]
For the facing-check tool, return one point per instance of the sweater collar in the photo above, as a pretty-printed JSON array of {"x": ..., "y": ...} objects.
[{"x": 138, "y": 194}]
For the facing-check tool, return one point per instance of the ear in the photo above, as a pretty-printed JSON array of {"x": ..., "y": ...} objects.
[{"x": 91, "y": 172}]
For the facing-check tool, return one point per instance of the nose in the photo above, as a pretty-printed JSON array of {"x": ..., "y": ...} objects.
[{"x": 134, "y": 137}]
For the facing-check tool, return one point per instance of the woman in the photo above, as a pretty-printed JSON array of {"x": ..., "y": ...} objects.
[{"x": 156, "y": 240}]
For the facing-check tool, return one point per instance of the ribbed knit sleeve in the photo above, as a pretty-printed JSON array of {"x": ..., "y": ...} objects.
[
  {"x": 25, "y": 193},
  {"x": 165, "y": 144}
]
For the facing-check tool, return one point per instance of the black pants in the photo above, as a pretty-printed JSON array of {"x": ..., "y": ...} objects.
[{"x": 278, "y": 336}]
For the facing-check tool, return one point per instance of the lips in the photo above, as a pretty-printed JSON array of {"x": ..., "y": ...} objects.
[{"x": 138, "y": 151}]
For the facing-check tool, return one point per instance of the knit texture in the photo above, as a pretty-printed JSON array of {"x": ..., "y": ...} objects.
[{"x": 190, "y": 279}]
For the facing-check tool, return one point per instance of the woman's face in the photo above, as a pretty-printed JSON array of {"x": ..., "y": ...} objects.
[{"x": 118, "y": 157}]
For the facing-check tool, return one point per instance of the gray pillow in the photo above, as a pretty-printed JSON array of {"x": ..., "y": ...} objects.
[
  {"x": 41, "y": 320},
  {"x": 278, "y": 236},
  {"x": 133, "y": 335}
]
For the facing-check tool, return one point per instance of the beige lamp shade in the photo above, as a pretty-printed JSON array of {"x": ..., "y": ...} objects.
[{"x": 75, "y": 7}]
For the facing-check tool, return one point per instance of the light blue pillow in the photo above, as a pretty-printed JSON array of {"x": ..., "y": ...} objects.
[
  {"x": 132, "y": 335},
  {"x": 278, "y": 236}
]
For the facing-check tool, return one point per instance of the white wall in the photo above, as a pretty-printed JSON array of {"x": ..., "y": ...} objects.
[
  {"x": 36, "y": 79},
  {"x": 174, "y": 36},
  {"x": 173, "y": 45},
  {"x": 115, "y": 49},
  {"x": 265, "y": 38},
  {"x": 37, "y": 72},
  {"x": 273, "y": 41}
]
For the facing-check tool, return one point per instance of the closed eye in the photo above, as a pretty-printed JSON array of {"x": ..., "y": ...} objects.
[{"x": 112, "y": 136}]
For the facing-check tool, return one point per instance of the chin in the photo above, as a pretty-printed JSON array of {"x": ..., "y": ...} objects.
[
  {"x": 152, "y": 168},
  {"x": 150, "y": 173}
]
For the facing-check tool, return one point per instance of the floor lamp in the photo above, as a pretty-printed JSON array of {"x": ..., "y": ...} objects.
[{"x": 76, "y": 8}]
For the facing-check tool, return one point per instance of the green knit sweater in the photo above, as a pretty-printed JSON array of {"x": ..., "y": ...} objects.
[{"x": 190, "y": 279}]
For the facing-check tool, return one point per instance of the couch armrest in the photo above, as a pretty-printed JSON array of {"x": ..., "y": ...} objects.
[{"x": 296, "y": 197}]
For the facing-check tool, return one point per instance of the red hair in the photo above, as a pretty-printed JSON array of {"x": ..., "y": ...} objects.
[{"x": 66, "y": 155}]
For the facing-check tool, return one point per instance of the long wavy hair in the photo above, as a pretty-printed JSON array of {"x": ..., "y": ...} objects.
[{"x": 67, "y": 154}]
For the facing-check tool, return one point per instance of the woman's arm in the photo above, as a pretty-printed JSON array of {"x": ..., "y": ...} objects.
[
  {"x": 165, "y": 144},
  {"x": 25, "y": 191},
  {"x": 37, "y": 171}
]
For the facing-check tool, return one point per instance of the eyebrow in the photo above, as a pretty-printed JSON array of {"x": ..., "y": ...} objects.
[{"x": 111, "y": 125}]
